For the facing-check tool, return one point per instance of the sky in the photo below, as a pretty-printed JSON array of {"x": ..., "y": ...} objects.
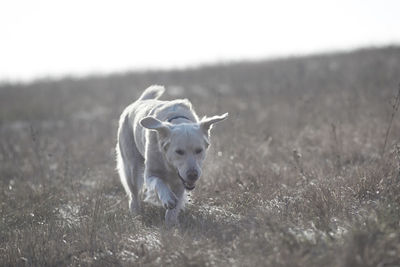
[{"x": 53, "y": 38}]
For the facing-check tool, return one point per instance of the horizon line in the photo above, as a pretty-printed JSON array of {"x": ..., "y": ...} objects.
[{"x": 190, "y": 66}]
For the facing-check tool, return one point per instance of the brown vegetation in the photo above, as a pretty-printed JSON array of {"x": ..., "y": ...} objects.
[{"x": 306, "y": 171}]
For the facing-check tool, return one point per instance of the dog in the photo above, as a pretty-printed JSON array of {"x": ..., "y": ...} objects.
[{"x": 160, "y": 151}]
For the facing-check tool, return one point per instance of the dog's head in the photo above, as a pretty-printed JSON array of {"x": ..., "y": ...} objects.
[{"x": 184, "y": 146}]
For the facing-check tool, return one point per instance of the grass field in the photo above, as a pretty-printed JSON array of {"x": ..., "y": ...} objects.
[{"x": 305, "y": 172}]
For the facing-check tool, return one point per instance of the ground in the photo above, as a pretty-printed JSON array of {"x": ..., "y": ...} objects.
[{"x": 305, "y": 172}]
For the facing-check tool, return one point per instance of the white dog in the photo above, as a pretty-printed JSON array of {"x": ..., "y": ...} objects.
[{"x": 164, "y": 144}]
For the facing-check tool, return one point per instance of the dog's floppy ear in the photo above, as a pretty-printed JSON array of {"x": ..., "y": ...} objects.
[
  {"x": 157, "y": 125},
  {"x": 206, "y": 123}
]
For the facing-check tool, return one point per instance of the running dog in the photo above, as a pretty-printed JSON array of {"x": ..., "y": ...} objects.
[{"x": 160, "y": 150}]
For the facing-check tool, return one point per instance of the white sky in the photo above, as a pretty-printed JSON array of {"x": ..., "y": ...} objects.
[{"x": 57, "y": 37}]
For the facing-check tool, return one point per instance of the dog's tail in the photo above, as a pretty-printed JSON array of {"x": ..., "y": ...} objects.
[{"x": 153, "y": 92}]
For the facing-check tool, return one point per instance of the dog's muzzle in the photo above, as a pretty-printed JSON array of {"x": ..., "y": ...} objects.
[{"x": 188, "y": 186}]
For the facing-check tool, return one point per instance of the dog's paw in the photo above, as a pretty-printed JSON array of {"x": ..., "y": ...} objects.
[
  {"x": 169, "y": 200},
  {"x": 171, "y": 218},
  {"x": 134, "y": 207}
]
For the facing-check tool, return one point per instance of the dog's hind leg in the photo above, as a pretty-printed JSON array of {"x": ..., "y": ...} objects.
[{"x": 130, "y": 165}]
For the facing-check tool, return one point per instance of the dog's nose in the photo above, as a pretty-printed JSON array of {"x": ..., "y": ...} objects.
[{"x": 192, "y": 175}]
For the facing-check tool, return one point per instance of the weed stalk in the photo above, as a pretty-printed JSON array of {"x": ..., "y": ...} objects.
[{"x": 395, "y": 107}]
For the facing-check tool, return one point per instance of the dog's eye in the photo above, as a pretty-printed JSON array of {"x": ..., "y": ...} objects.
[
  {"x": 180, "y": 152},
  {"x": 198, "y": 151}
]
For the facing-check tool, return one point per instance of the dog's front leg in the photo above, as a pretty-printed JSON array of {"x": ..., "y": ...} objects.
[
  {"x": 171, "y": 215},
  {"x": 167, "y": 197}
]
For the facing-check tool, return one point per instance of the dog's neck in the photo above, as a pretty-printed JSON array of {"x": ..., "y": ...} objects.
[{"x": 178, "y": 117}]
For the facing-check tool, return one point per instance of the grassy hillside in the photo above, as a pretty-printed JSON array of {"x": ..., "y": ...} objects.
[{"x": 305, "y": 172}]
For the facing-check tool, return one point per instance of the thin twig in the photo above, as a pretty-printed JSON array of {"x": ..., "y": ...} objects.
[{"x": 395, "y": 107}]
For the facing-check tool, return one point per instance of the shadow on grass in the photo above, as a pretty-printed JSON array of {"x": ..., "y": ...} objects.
[{"x": 195, "y": 221}]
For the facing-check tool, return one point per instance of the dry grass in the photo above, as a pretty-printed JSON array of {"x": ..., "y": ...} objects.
[{"x": 296, "y": 177}]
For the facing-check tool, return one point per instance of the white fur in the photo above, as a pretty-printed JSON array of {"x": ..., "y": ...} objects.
[{"x": 164, "y": 156}]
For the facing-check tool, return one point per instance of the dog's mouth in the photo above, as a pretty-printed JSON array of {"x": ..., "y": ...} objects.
[{"x": 188, "y": 186}]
